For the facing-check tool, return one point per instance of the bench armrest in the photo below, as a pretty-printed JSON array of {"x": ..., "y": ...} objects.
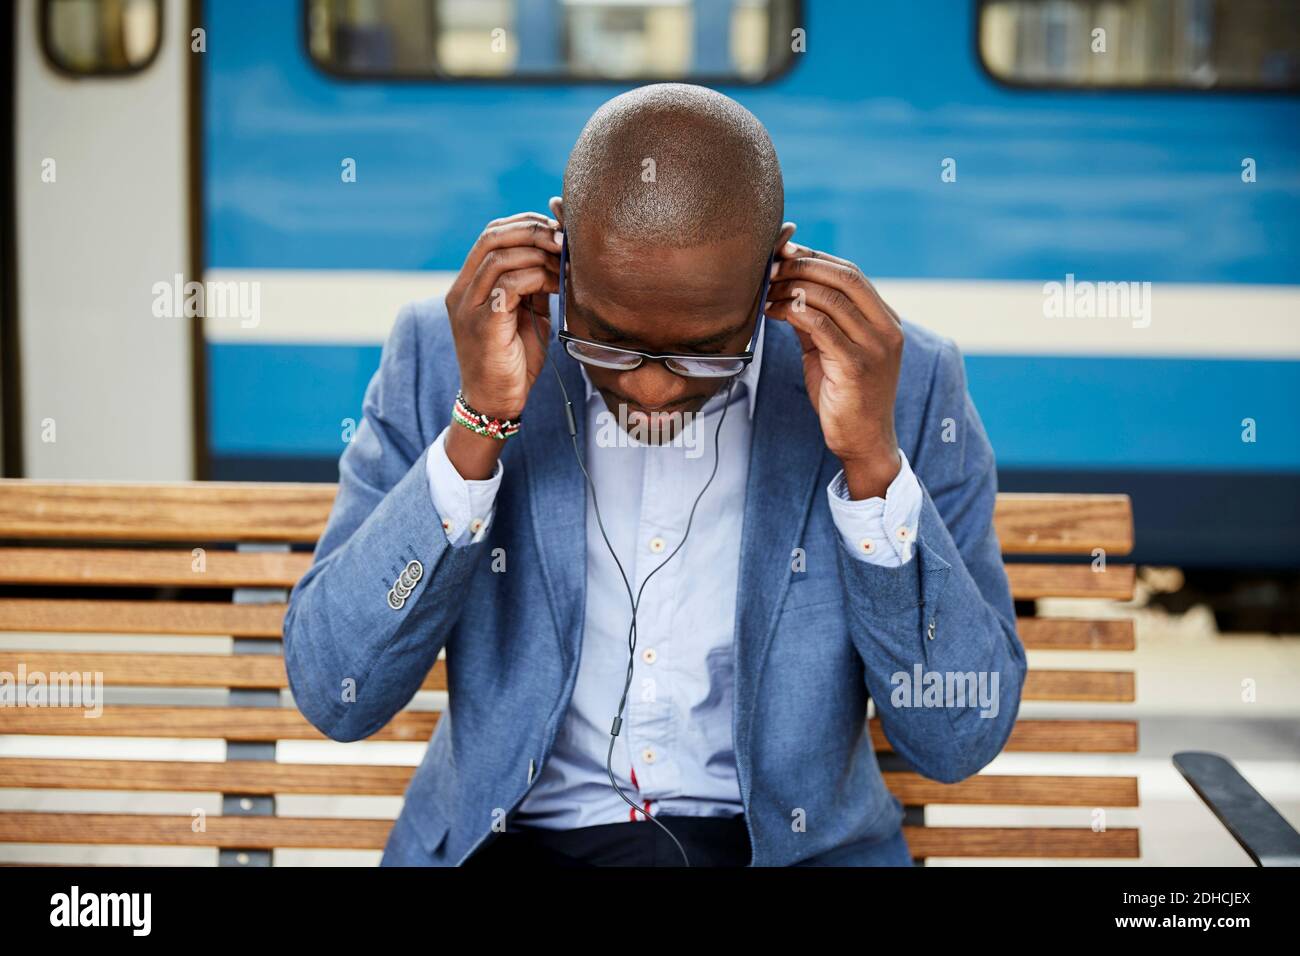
[{"x": 1253, "y": 822}]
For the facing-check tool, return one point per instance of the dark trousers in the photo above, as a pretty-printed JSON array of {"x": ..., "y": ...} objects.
[{"x": 708, "y": 841}]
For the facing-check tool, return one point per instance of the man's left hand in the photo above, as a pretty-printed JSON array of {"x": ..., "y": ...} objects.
[{"x": 852, "y": 347}]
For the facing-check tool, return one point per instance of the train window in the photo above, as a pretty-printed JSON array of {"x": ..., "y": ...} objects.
[
  {"x": 101, "y": 37},
  {"x": 744, "y": 41},
  {"x": 1194, "y": 44}
]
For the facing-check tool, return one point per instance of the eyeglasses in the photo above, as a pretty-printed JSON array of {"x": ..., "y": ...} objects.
[{"x": 599, "y": 355}]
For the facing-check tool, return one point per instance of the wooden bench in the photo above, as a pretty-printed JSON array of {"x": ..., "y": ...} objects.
[{"x": 205, "y": 558}]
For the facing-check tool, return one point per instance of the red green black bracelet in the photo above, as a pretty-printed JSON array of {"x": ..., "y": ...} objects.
[{"x": 463, "y": 414}]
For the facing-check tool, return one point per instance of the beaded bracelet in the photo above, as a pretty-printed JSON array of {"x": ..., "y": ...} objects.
[{"x": 463, "y": 414}]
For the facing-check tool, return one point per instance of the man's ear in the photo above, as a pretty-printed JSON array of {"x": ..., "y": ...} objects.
[
  {"x": 556, "y": 205},
  {"x": 787, "y": 230}
]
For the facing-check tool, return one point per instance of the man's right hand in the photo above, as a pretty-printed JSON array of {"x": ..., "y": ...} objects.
[{"x": 515, "y": 262}]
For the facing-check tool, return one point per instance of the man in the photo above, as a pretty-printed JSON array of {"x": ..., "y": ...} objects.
[{"x": 842, "y": 548}]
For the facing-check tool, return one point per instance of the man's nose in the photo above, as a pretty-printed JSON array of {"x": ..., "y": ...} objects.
[{"x": 652, "y": 386}]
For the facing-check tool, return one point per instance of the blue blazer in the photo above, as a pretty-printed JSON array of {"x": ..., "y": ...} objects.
[{"x": 811, "y": 646}]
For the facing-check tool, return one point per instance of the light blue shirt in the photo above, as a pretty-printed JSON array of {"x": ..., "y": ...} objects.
[{"x": 674, "y": 755}]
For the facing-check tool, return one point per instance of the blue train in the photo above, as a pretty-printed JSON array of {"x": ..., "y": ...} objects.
[{"x": 1110, "y": 235}]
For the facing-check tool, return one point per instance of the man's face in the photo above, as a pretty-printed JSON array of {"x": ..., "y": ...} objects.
[{"x": 702, "y": 300}]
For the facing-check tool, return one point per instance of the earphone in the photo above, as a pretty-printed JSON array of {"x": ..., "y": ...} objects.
[{"x": 635, "y": 602}]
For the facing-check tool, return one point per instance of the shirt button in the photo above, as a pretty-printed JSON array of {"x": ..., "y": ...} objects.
[
  {"x": 648, "y": 755},
  {"x": 476, "y": 526},
  {"x": 868, "y": 546},
  {"x": 446, "y": 525},
  {"x": 649, "y": 655},
  {"x": 903, "y": 534},
  {"x": 657, "y": 545}
]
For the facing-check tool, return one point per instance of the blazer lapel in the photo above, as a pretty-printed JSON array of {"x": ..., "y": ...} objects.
[
  {"x": 557, "y": 495},
  {"x": 786, "y": 454}
]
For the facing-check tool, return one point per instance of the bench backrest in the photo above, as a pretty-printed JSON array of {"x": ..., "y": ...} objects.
[{"x": 214, "y": 559}]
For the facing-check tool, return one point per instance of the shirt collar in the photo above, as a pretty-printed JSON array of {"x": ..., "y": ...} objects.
[{"x": 748, "y": 379}]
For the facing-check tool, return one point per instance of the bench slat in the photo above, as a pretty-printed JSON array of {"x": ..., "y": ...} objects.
[
  {"x": 1075, "y": 634},
  {"x": 152, "y": 567},
  {"x": 245, "y": 671},
  {"x": 1064, "y": 523},
  {"x": 283, "y": 723},
  {"x": 196, "y": 512},
  {"x": 256, "y": 777},
  {"x": 267, "y": 833},
  {"x": 199, "y": 618},
  {"x": 268, "y": 671},
  {"x": 1080, "y": 685},
  {"x": 1023, "y": 842},
  {"x": 230, "y": 723},
  {"x": 144, "y": 567},
  {"x": 1014, "y": 790},
  {"x": 248, "y": 833},
  {"x": 266, "y": 778},
  {"x": 1032, "y": 581},
  {"x": 189, "y": 618},
  {"x": 1052, "y": 736}
]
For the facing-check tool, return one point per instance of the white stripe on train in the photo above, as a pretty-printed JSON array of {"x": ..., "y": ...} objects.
[{"x": 1001, "y": 318}]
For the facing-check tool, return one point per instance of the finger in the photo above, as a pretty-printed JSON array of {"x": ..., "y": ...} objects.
[
  {"x": 848, "y": 279},
  {"x": 794, "y": 250},
  {"x": 823, "y": 331},
  {"x": 802, "y": 294},
  {"x": 540, "y": 302},
  {"x": 873, "y": 305},
  {"x": 518, "y": 285},
  {"x": 520, "y": 216},
  {"x": 535, "y": 329},
  {"x": 806, "y": 343},
  {"x": 526, "y": 231},
  {"x": 500, "y": 261}
]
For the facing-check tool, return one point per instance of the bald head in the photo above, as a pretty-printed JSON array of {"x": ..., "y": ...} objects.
[{"x": 677, "y": 166}]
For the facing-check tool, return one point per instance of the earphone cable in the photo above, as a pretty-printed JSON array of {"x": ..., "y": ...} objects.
[{"x": 633, "y": 601}]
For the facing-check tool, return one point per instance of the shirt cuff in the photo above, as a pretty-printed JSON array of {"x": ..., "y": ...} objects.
[
  {"x": 465, "y": 507},
  {"x": 879, "y": 530}
]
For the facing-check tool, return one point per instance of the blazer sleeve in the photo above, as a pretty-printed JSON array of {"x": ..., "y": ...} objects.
[
  {"x": 948, "y": 612},
  {"x": 354, "y": 660}
]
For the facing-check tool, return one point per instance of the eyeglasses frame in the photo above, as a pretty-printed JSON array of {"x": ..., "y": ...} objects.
[{"x": 566, "y": 336}]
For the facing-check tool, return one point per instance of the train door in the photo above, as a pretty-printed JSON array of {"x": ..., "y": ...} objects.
[{"x": 101, "y": 182}]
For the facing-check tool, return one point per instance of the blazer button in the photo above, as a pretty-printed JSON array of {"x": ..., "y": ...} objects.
[{"x": 394, "y": 601}]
